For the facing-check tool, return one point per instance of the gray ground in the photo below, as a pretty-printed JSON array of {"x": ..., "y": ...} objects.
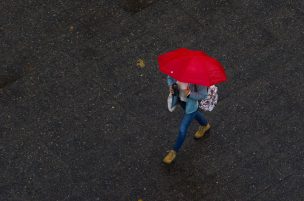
[{"x": 80, "y": 121}]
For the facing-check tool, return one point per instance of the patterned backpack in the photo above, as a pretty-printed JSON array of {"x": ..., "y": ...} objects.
[{"x": 210, "y": 102}]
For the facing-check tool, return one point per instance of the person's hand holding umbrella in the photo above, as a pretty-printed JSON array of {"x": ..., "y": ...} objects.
[
  {"x": 171, "y": 91},
  {"x": 188, "y": 91}
]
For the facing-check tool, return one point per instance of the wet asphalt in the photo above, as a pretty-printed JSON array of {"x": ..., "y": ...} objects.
[{"x": 81, "y": 121}]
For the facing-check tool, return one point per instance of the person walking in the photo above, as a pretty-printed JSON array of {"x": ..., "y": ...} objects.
[
  {"x": 188, "y": 96},
  {"x": 189, "y": 74}
]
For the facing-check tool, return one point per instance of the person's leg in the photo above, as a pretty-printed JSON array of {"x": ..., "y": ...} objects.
[
  {"x": 169, "y": 158},
  {"x": 187, "y": 119},
  {"x": 199, "y": 116}
]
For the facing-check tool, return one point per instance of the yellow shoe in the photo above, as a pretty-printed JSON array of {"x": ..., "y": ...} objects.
[
  {"x": 201, "y": 131},
  {"x": 170, "y": 157}
]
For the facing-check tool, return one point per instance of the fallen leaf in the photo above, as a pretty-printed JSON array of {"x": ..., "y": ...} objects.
[
  {"x": 140, "y": 63},
  {"x": 28, "y": 68},
  {"x": 72, "y": 28}
]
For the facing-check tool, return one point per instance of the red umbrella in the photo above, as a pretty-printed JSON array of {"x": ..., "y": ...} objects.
[{"x": 192, "y": 66}]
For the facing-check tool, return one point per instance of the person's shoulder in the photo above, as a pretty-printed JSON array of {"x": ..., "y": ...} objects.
[{"x": 201, "y": 86}]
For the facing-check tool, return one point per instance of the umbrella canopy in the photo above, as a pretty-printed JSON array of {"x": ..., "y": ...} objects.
[{"x": 192, "y": 66}]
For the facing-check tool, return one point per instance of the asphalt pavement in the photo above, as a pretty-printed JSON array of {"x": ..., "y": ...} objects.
[{"x": 80, "y": 120}]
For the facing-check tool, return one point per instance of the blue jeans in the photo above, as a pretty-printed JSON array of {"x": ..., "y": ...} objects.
[{"x": 185, "y": 123}]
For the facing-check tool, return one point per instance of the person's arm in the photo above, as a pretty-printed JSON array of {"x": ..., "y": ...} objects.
[
  {"x": 170, "y": 80},
  {"x": 202, "y": 93}
]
